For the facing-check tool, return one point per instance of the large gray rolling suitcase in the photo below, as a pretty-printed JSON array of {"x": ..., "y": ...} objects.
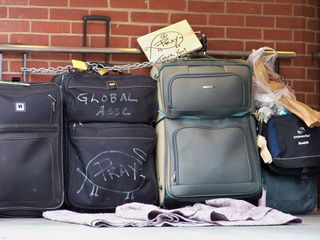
[
  {"x": 31, "y": 167},
  {"x": 206, "y": 145},
  {"x": 203, "y": 159}
]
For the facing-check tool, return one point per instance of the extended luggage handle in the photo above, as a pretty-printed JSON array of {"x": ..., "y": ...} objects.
[{"x": 106, "y": 19}]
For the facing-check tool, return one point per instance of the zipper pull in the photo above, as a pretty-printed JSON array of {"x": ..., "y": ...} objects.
[
  {"x": 174, "y": 178},
  {"x": 53, "y": 102},
  {"x": 74, "y": 125}
]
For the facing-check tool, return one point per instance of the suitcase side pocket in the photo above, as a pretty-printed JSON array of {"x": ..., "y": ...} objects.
[{"x": 31, "y": 168}]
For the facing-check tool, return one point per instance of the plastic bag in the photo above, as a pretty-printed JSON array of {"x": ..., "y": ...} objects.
[{"x": 268, "y": 86}]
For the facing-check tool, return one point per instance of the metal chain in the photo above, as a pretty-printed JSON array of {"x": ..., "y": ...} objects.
[
  {"x": 95, "y": 67},
  {"x": 98, "y": 66},
  {"x": 50, "y": 70}
]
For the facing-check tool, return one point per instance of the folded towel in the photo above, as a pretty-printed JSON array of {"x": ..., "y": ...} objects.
[{"x": 216, "y": 212}]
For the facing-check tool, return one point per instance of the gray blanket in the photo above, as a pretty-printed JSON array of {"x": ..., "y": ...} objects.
[{"x": 216, "y": 212}]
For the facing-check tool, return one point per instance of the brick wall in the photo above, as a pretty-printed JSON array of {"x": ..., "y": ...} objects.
[{"x": 291, "y": 25}]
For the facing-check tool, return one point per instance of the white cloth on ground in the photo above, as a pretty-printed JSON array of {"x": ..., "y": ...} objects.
[{"x": 215, "y": 212}]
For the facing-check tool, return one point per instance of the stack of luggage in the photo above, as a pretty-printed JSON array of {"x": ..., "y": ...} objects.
[{"x": 206, "y": 135}]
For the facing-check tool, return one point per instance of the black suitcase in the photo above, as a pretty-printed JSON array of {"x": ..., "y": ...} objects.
[
  {"x": 90, "y": 97},
  {"x": 110, "y": 164},
  {"x": 31, "y": 177}
]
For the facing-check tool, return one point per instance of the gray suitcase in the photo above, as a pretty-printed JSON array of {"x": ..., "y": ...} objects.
[
  {"x": 206, "y": 87},
  {"x": 203, "y": 159}
]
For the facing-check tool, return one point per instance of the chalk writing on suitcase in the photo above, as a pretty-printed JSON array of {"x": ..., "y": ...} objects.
[
  {"x": 105, "y": 169},
  {"x": 112, "y": 98}
]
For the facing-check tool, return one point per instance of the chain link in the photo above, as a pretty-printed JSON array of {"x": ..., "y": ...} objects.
[{"x": 50, "y": 70}]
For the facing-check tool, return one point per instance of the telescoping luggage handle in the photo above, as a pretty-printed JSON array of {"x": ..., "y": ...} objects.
[{"x": 106, "y": 19}]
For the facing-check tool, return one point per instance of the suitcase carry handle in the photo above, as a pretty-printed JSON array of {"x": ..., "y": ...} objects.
[{"x": 106, "y": 19}]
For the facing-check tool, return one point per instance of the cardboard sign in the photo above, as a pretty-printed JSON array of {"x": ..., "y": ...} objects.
[{"x": 170, "y": 42}]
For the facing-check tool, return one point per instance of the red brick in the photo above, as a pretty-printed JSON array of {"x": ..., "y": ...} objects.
[
  {"x": 312, "y": 48},
  {"x": 313, "y": 74},
  {"x": 277, "y": 9},
  {"x": 226, "y": 45},
  {"x": 68, "y": 14},
  {"x": 288, "y": 22},
  {"x": 5, "y": 65},
  {"x": 119, "y": 42},
  {"x": 97, "y": 41},
  {"x": 9, "y": 76},
  {"x": 15, "y": 2},
  {"x": 66, "y": 41},
  {"x": 41, "y": 78},
  {"x": 303, "y": 61},
  {"x": 212, "y": 32},
  {"x": 124, "y": 58},
  {"x": 304, "y": 86},
  {"x": 3, "y": 38},
  {"x": 115, "y": 16},
  {"x": 277, "y": 35},
  {"x": 257, "y": 21},
  {"x": 133, "y": 43},
  {"x": 299, "y": 48},
  {"x": 128, "y": 4},
  {"x": 193, "y": 19},
  {"x": 313, "y": 24},
  {"x": 244, "y": 8},
  {"x": 291, "y": 1},
  {"x": 304, "y": 36},
  {"x": 76, "y": 27},
  {"x": 37, "y": 64},
  {"x": 300, "y": 97},
  {"x": 86, "y": 3},
  {"x": 30, "y": 39},
  {"x": 49, "y": 56},
  {"x": 168, "y": 4},
  {"x": 313, "y": 99},
  {"x": 293, "y": 72},
  {"x": 12, "y": 55},
  {"x": 318, "y": 37},
  {"x": 313, "y": 2},
  {"x": 95, "y": 57},
  {"x": 304, "y": 11},
  {"x": 28, "y": 13},
  {"x": 157, "y": 27},
  {"x": 249, "y": 45},
  {"x": 211, "y": 7},
  {"x": 226, "y": 20},
  {"x": 95, "y": 28},
  {"x": 61, "y": 63},
  {"x": 14, "y": 26},
  {"x": 149, "y": 17},
  {"x": 3, "y": 12},
  {"x": 15, "y": 66},
  {"x": 50, "y": 27},
  {"x": 128, "y": 30},
  {"x": 243, "y": 33},
  {"x": 142, "y": 71},
  {"x": 55, "y": 3}
]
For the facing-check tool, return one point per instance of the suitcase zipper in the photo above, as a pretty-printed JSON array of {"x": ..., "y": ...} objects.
[{"x": 53, "y": 102}]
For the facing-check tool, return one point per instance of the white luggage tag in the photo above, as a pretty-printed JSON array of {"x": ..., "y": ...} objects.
[
  {"x": 264, "y": 114},
  {"x": 169, "y": 42}
]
